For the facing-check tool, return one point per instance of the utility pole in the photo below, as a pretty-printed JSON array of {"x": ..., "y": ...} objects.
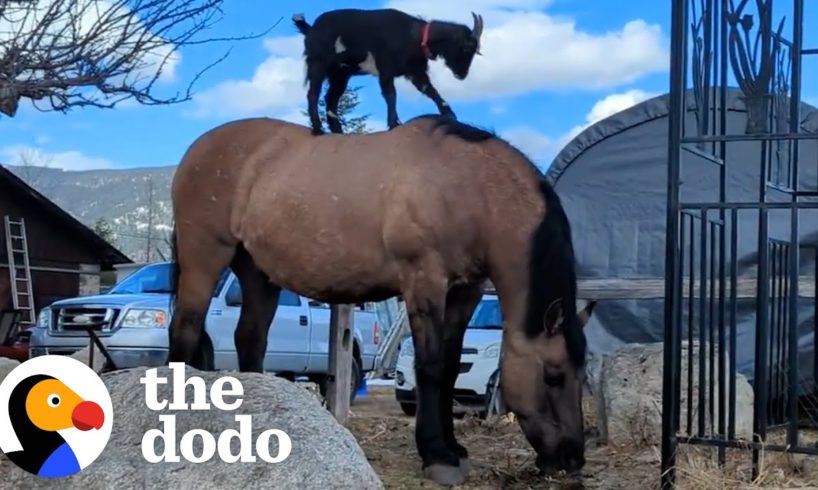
[{"x": 150, "y": 217}]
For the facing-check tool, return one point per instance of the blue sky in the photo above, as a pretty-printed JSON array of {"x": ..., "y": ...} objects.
[{"x": 550, "y": 67}]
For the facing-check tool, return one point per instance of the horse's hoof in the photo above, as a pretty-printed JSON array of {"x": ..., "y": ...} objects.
[
  {"x": 465, "y": 466},
  {"x": 444, "y": 475},
  {"x": 317, "y": 131}
]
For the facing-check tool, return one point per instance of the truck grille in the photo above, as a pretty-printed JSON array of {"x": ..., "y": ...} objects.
[{"x": 79, "y": 318}]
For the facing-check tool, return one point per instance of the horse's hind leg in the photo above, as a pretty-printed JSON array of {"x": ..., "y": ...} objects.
[
  {"x": 460, "y": 304},
  {"x": 258, "y": 307},
  {"x": 200, "y": 264},
  {"x": 425, "y": 295}
]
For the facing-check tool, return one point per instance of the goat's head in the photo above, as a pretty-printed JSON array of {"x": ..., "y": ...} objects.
[{"x": 458, "y": 44}]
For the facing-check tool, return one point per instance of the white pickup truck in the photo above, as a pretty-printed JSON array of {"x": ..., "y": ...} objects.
[{"x": 132, "y": 320}]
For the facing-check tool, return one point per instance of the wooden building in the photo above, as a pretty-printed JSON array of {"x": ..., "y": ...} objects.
[{"x": 65, "y": 256}]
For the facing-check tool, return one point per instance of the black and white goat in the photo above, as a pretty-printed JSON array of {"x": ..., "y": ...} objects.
[{"x": 386, "y": 43}]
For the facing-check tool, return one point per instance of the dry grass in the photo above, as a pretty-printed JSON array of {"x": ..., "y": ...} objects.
[
  {"x": 501, "y": 458},
  {"x": 698, "y": 468}
]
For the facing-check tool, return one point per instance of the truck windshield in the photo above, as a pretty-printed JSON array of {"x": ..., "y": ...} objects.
[
  {"x": 153, "y": 278},
  {"x": 487, "y": 315}
]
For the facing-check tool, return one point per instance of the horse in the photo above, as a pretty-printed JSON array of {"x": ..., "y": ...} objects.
[{"x": 428, "y": 211}]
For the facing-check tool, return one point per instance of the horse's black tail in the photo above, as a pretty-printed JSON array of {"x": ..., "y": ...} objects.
[
  {"x": 301, "y": 24},
  {"x": 175, "y": 271}
]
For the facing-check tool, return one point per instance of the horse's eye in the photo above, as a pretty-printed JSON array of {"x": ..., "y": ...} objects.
[{"x": 555, "y": 380}]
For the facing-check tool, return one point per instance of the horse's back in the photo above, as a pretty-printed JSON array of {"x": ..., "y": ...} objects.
[
  {"x": 207, "y": 184},
  {"x": 376, "y": 200}
]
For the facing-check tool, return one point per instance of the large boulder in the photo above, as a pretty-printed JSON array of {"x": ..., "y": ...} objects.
[
  {"x": 6, "y": 366},
  {"x": 628, "y": 396},
  {"x": 324, "y": 453},
  {"x": 83, "y": 355}
]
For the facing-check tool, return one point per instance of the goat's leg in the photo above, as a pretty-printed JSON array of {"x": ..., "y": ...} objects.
[
  {"x": 424, "y": 85},
  {"x": 338, "y": 81},
  {"x": 316, "y": 72},
  {"x": 391, "y": 98}
]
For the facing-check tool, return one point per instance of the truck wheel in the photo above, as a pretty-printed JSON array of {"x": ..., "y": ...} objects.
[
  {"x": 355, "y": 383},
  {"x": 409, "y": 409}
]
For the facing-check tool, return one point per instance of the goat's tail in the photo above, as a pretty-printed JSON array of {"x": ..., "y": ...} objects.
[{"x": 301, "y": 24}]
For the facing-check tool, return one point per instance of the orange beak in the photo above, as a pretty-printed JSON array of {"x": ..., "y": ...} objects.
[{"x": 87, "y": 416}]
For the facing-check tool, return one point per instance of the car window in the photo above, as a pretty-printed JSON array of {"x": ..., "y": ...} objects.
[
  {"x": 487, "y": 315},
  {"x": 154, "y": 278},
  {"x": 286, "y": 298}
]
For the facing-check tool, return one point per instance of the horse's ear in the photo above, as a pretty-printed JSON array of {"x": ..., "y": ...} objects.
[
  {"x": 553, "y": 317},
  {"x": 585, "y": 313}
]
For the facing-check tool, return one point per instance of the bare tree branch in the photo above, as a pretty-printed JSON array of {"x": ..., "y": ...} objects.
[
  {"x": 32, "y": 167},
  {"x": 74, "y": 53}
]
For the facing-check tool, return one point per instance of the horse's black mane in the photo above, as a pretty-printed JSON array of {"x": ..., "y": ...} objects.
[
  {"x": 462, "y": 130},
  {"x": 552, "y": 276}
]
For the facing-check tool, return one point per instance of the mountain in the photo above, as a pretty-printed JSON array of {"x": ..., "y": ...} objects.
[{"x": 122, "y": 197}]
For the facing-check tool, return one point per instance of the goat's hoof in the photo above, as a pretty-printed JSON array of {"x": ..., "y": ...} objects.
[
  {"x": 444, "y": 475},
  {"x": 317, "y": 131},
  {"x": 465, "y": 466}
]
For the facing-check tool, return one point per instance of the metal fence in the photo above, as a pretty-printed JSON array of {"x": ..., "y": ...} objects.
[{"x": 717, "y": 45}]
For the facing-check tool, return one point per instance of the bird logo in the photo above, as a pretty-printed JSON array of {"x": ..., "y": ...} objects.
[{"x": 55, "y": 416}]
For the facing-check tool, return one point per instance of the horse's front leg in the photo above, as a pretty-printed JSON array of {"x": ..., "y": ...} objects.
[
  {"x": 426, "y": 317},
  {"x": 460, "y": 305}
]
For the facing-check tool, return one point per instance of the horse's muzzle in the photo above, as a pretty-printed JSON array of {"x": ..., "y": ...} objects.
[
  {"x": 570, "y": 458},
  {"x": 571, "y": 455}
]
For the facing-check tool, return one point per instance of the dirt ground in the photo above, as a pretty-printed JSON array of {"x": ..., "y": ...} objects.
[{"x": 502, "y": 459}]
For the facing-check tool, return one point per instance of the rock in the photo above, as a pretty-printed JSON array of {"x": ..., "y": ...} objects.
[
  {"x": 324, "y": 453},
  {"x": 6, "y": 365},
  {"x": 99, "y": 358},
  {"x": 629, "y": 397}
]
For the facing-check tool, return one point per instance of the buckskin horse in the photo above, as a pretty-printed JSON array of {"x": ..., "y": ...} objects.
[{"x": 429, "y": 211}]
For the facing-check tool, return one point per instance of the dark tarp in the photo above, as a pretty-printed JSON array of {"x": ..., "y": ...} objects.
[{"x": 612, "y": 179}]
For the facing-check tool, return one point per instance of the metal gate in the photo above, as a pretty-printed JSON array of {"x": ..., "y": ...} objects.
[{"x": 739, "y": 270}]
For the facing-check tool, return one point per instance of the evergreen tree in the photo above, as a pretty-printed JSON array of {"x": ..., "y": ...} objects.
[
  {"x": 352, "y": 124},
  {"x": 104, "y": 230}
]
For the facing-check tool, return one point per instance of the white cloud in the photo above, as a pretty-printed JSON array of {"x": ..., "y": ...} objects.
[
  {"x": 277, "y": 85},
  {"x": 66, "y": 160},
  {"x": 524, "y": 49},
  {"x": 534, "y": 144},
  {"x": 606, "y": 107},
  {"x": 542, "y": 149}
]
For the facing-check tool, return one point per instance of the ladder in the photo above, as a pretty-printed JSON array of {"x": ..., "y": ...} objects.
[
  {"x": 19, "y": 269},
  {"x": 387, "y": 355}
]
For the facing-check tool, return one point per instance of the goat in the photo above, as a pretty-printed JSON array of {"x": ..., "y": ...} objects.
[{"x": 386, "y": 43}]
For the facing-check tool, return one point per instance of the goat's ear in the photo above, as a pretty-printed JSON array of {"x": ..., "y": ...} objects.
[{"x": 552, "y": 322}]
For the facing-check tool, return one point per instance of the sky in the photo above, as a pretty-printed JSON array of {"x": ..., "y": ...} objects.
[{"x": 549, "y": 69}]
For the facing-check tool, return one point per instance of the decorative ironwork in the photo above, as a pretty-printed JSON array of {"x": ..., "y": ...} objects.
[{"x": 737, "y": 64}]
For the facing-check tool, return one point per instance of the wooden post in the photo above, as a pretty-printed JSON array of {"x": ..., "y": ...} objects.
[{"x": 340, "y": 361}]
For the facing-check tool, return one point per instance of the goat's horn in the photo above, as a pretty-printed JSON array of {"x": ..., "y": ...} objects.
[{"x": 477, "y": 30}]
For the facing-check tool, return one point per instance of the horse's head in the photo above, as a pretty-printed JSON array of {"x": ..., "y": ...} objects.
[{"x": 543, "y": 378}]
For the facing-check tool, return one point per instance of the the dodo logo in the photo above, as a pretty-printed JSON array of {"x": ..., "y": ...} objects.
[{"x": 55, "y": 416}]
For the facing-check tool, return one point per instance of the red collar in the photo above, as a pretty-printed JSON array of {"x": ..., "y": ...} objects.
[{"x": 424, "y": 40}]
